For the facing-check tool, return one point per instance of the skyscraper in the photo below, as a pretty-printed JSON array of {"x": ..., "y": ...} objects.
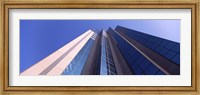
[{"x": 119, "y": 51}]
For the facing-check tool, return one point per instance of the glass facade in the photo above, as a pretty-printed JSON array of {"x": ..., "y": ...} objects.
[
  {"x": 166, "y": 48},
  {"x": 107, "y": 64},
  {"x": 139, "y": 64},
  {"x": 103, "y": 57},
  {"x": 121, "y": 51},
  {"x": 77, "y": 64}
]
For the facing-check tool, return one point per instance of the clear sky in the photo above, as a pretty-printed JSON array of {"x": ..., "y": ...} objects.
[{"x": 39, "y": 38}]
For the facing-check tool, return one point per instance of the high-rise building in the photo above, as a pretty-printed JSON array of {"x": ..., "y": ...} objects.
[{"x": 119, "y": 51}]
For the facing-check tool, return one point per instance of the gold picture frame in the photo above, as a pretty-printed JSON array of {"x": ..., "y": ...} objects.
[{"x": 126, "y": 4}]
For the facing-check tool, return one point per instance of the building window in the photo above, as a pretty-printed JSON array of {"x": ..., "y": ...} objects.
[{"x": 107, "y": 63}]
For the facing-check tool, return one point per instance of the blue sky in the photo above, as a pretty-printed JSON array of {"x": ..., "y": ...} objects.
[{"x": 39, "y": 38}]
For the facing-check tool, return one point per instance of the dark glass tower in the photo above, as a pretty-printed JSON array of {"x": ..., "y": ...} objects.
[
  {"x": 166, "y": 48},
  {"x": 124, "y": 51}
]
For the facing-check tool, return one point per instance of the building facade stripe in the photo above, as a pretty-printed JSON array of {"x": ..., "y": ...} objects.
[
  {"x": 76, "y": 65},
  {"x": 61, "y": 57},
  {"x": 38, "y": 67},
  {"x": 60, "y": 67}
]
